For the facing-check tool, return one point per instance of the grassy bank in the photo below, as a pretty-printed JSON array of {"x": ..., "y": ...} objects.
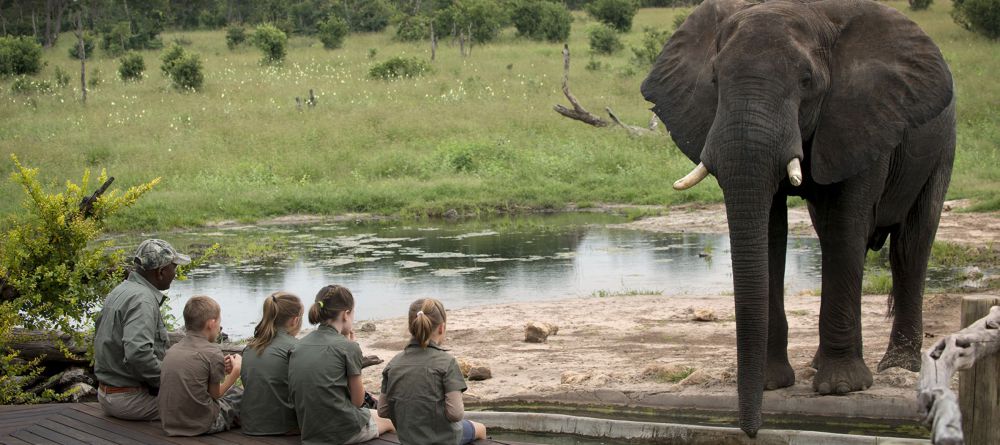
[{"x": 476, "y": 135}]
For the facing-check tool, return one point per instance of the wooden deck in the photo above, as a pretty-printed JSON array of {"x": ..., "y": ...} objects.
[{"x": 85, "y": 423}]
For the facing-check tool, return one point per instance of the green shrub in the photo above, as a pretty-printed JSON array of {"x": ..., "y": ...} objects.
[
  {"x": 483, "y": 19},
  {"x": 368, "y": 15},
  {"x": 979, "y": 16},
  {"x": 272, "y": 42},
  {"x": 94, "y": 79},
  {"x": 604, "y": 40},
  {"x": 27, "y": 85},
  {"x": 117, "y": 39},
  {"x": 332, "y": 32},
  {"x": 186, "y": 72},
  {"x": 399, "y": 67},
  {"x": 652, "y": 43},
  {"x": 61, "y": 76},
  {"x": 170, "y": 56},
  {"x": 19, "y": 55},
  {"x": 679, "y": 19},
  {"x": 235, "y": 36},
  {"x": 88, "y": 46},
  {"x": 615, "y": 13},
  {"x": 593, "y": 65},
  {"x": 918, "y": 5},
  {"x": 413, "y": 28},
  {"x": 542, "y": 20},
  {"x": 131, "y": 66}
]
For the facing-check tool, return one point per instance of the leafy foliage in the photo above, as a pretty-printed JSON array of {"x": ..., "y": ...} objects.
[
  {"x": 615, "y": 13},
  {"x": 918, "y": 5},
  {"x": 979, "y": 16},
  {"x": 27, "y": 85},
  {"x": 131, "y": 66},
  {"x": 88, "y": 47},
  {"x": 413, "y": 28},
  {"x": 61, "y": 76},
  {"x": 184, "y": 68},
  {"x": 235, "y": 36},
  {"x": 604, "y": 40},
  {"x": 332, "y": 32},
  {"x": 652, "y": 43},
  {"x": 19, "y": 55},
  {"x": 272, "y": 42},
  {"x": 399, "y": 67},
  {"x": 365, "y": 15},
  {"x": 542, "y": 20},
  {"x": 481, "y": 20}
]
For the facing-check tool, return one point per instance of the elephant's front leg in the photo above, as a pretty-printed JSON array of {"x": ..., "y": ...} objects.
[
  {"x": 842, "y": 223},
  {"x": 779, "y": 372}
]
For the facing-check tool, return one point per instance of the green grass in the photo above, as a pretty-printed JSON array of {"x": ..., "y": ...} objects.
[{"x": 477, "y": 134}]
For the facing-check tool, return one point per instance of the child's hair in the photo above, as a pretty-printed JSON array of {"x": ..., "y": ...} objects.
[
  {"x": 330, "y": 302},
  {"x": 278, "y": 309},
  {"x": 198, "y": 310},
  {"x": 426, "y": 314}
]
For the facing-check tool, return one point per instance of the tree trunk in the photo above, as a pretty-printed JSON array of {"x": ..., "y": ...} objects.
[
  {"x": 61, "y": 6},
  {"x": 48, "y": 23},
  {"x": 83, "y": 56},
  {"x": 434, "y": 42}
]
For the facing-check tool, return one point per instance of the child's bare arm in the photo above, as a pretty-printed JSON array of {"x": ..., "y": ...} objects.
[
  {"x": 357, "y": 390},
  {"x": 454, "y": 406},
  {"x": 233, "y": 362}
]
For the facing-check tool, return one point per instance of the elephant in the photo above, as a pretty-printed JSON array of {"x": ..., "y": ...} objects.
[{"x": 846, "y": 104}]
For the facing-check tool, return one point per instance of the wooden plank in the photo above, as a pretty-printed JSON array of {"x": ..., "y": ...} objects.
[
  {"x": 979, "y": 387},
  {"x": 74, "y": 433},
  {"x": 31, "y": 438},
  {"x": 116, "y": 427},
  {"x": 10, "y": 440},
  {"x": 55, "y": 436},
  {"x": 34, "y": 411},
  {"x": 237, "y": 436},
  {"x": 95, "y": 430}
]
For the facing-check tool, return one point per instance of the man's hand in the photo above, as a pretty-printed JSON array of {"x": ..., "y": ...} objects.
[{"x": 349, "y": 334}]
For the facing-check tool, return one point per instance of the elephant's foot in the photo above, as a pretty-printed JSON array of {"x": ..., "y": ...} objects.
[
  {"x": 779, "y": 374},
  {"x": 841, "y": 376},
  {"x": 900, "y": 357}
]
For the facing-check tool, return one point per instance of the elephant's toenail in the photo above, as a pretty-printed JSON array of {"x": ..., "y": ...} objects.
[
  {"x": 843, "y": 388},
  {"x": 824, "y": 388},
  {"x": 771, "y": 385}
]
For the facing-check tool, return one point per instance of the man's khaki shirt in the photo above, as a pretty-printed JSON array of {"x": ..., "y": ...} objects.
[{"x": 130, "y": 338}]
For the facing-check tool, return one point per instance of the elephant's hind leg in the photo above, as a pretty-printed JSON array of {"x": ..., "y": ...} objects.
[
  {"x": 779, "y": 373},
  {"x": 909, "y": 251}
]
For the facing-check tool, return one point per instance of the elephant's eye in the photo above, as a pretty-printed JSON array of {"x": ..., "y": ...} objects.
[{"x": 806, "y": 81}]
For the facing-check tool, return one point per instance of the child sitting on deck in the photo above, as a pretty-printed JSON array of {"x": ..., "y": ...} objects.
[
  {"x": 266, "y": 409},
  {"x": 422, "y": 386},
  {"x": 324, "y": 376},
  {"x": 196, "y": 382}
]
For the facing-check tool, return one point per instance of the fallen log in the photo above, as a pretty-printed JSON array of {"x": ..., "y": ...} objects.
[{"x": 51, "y": 347}]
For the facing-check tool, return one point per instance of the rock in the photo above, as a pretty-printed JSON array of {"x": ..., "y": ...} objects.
[
  {"x": 536, "y": 332},
  {"x": 73, "y": 376},
  {"x": 80, "y": 391},
  {"x": 451, "y": 214},
  {"x": 698, "y": 377},
  {"x": 465, "y": 366},
  {"x": 704, "y": 315},
  {"x": 600, "y": 380},
  {"x": 480, "y": 373},
  {"x": 367, "y": 327},
  {"x": 806, "y": 373},
  {"x": 573, "y": 377}
]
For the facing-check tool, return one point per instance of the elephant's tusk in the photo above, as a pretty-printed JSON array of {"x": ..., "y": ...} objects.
[
  {"x": 794, "y": 172},
  {"x": 692, "y": 179}
]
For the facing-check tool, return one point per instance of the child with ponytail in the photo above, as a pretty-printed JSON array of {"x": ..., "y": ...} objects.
[
  {"x": 422, "y": 386},
  {"x": 324, "y": 376},
  {"x": 266, "y": 409}
]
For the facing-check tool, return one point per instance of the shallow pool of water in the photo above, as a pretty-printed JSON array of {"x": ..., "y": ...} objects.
[{"x": 388, "y": 265}]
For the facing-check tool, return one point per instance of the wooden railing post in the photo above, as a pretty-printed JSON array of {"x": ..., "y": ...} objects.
[{"x": 979, "y": 386}]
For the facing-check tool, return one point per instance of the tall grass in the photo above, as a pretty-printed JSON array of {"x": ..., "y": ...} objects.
[{"x": 477, "y": 134}]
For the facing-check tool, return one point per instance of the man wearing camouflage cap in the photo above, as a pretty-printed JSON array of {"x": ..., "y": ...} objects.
[{"x": 130, "y": 338}]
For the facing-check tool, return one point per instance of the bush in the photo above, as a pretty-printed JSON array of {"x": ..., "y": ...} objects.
[
  {"x": 235, "y": 36},
  {"x": 918, "y": 5},
  {"x": 413, "y": 28},
  {"x": 332, "y": 32},
  {"x": 186, "y": 72},
  {"x": 652, "y": 44},
  {"x": 679, "y": 19},
  {"x": 979, "y": 16},
  {"x": 170, "y": 56},
  {"x": 19, "y": 55},
  {"x": 131, "y": 66},
  {"x": 615, "y": 13},
  {"x": 368, "y": 15},
  {"x": 483, "y": 19},
  {"x": 399, "y": 67},
  {"x": 27, "y": 85},
  {"x": 272, "y": 42},
  {"x": 604, "y": 40},
  {"x": 88, "y": 46},
  {"x": 62, "y": 77},
  {"x": 116, "y": 39},
  {"x": 542, "y": 20},
  {"x": 94, "y": 79}
]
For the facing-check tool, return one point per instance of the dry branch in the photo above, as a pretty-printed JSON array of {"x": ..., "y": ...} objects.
[
  {"x": 578, "y": 112},
  {"x": 632, "y": 129},
  {"x": 956, "y": 352}
]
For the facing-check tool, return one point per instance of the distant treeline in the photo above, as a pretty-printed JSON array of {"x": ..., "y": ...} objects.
[{"x": 134, "y": 24}]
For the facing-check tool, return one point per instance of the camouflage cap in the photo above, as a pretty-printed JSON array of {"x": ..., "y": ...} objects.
[{"x": 156, "y": 253}]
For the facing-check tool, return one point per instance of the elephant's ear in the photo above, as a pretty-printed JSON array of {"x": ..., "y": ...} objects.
[
  {"x": 886, "y": 76},
  {"x": 680, "y": 83}
]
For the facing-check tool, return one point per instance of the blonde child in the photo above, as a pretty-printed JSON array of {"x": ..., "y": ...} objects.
[
  {"x": 422, "y": 386},
  {"x": 266, "y": 409},
  {"x": 196, "y": 382},
  {"x": 324, "y": 376}
]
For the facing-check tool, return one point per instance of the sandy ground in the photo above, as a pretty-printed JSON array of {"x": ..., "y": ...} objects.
[{"x": 635, "y": 345}]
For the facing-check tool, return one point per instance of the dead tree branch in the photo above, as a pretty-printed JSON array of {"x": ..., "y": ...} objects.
[
  {"x": 956, "y": 352},
  {"x": 632, "y": 129},
  {"x": 578, "y": 112}
]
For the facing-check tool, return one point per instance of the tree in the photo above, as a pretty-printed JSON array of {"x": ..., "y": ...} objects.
[{"x": 615, "y": 13}]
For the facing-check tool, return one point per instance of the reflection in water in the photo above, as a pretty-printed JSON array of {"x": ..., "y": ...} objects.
[{"x": 388, "y": 266}]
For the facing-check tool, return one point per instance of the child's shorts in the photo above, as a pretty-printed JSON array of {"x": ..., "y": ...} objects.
[
  {"x": 468, "y": 432},
  {"x": 368, "y": 431}
]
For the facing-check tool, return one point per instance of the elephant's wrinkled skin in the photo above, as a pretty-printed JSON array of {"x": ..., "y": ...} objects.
[{"x": 864, "y": 100}]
